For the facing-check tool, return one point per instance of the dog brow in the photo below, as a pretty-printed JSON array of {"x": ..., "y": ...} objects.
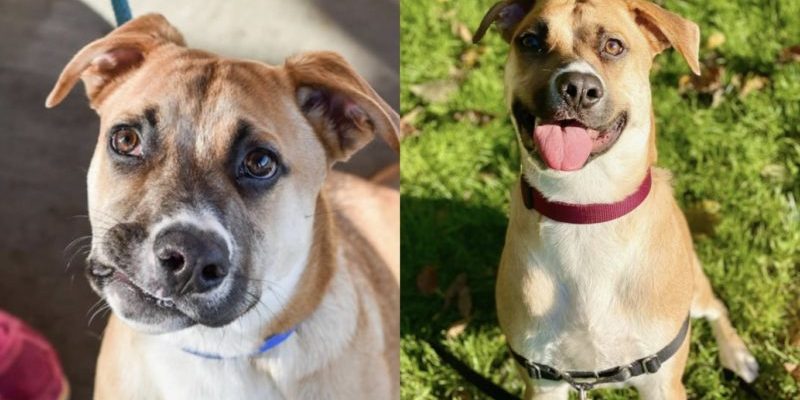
[
  {"x": 151, "y": 115},
  {"x": 243, "y": 130}
]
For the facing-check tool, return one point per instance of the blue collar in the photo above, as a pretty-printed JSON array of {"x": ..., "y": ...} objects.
[{"x": 270, "y": 343}]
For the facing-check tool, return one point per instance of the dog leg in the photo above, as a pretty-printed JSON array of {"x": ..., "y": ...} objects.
[
  {"x": 663, "y": 389},
  {"x": 732, "y": 351}
]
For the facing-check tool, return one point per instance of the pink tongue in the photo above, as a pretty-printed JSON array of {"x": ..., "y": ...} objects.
[{"x": 563, "y": 148}]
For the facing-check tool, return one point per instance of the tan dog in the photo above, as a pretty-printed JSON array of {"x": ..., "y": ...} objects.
[
  {"x": 236, "y": 265},
  {"x": 581, "y": 296}
]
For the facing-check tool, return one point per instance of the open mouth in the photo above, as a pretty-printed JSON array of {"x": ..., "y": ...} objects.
[{"x": 566, "y": 144}]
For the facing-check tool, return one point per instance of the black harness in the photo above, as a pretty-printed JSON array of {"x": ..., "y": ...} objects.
[{"x": 583, "y": 381}]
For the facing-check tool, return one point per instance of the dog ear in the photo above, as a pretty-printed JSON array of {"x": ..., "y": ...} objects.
[
  {"x": 505, "y": 15},
  {"x": 341, "y": 106},
  {"x": 105, "y": 61},
  {"x": 664, "y": 29}
]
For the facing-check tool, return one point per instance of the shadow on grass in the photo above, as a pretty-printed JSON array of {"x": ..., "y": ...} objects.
[{"x": 453, "y": 237}]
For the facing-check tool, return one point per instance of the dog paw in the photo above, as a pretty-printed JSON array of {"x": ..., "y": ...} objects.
[{"x": 739, "y": 360}]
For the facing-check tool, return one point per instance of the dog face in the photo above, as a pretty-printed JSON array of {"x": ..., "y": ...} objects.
[
  {"x": 577, "y": 79},
  {"x": 206, "y": 175}
]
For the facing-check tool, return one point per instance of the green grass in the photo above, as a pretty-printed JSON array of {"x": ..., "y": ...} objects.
[{"x": 736, "y": 164}]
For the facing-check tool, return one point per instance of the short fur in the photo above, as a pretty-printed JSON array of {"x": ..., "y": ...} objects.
[
  {"x": 590, "y": 297},
  {"x": 316, "y": 251}
]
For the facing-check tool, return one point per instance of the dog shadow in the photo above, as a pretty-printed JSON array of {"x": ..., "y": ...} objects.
[{"x": 442, "y": 239}]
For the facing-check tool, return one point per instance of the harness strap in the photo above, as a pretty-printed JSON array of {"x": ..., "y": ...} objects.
[{"x": 586, "y": 380}]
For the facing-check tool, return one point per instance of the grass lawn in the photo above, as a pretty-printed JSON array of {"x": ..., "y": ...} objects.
[{"x": 733, "y": 143}]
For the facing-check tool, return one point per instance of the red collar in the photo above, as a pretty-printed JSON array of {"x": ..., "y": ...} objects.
[{"x": 584, "y": 213}]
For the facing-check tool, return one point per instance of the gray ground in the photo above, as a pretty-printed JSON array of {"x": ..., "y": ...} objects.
[{"x": 45, "y": 154}]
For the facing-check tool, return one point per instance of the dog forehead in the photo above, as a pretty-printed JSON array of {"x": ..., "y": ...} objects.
[
  {"x": 205, "y": 97},
  {"x": 571, "y": 20}
]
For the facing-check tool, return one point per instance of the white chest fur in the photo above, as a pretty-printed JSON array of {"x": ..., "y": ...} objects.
[{"x": 559, "y": 290}]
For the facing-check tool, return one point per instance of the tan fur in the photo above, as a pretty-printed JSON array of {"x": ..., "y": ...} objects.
[
  {"x": 590, "y": 297},
  {"x": 353, "y": 256}
]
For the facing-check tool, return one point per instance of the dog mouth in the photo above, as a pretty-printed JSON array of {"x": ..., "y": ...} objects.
[
  {"x": 105, "y": 275},
  {"x": 566, "y": 144},
  {"x": 156, "y": 313}
]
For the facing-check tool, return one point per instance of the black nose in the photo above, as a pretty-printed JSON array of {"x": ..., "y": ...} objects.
[
  {"x": 197, "y": 260},
  {"x": 580, "y": 90}
]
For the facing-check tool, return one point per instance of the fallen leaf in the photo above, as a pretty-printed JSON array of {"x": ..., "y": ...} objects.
[
  {"x": 457, "y": 328},
  {"x": 476, "y": 117},
  {"x": 454, "y": 290},
  {"x": 793, "y": 371},
  {"x": 704, "y": 217},
  {"x": 470, "y": 57},
  {"x": 462, "y": 394},
  {"x": 789, "y": 54},
  {"x": 438, "y": 91},
  {"x": 463, "y": 32},
  {"x": 774, "y": 173},
  {"x": 408, "y": 122},
  {"x": 465, "y": 302},
  {"x": 715, "y": 40},
  {"x": 709, "y": 82},
  {"x": 427, "y": 281},
  {"x": 752, "y": 84}
]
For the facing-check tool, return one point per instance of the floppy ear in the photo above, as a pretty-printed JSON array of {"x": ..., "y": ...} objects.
[
  {"x": 103, "y": 63},
  {"x": 341, "y": 106},
  {"x": 664, "y": 29},
  {"x": 505, "y": 15}
]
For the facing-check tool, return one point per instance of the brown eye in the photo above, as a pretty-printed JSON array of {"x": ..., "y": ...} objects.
[
  {"x": 126, "y": 141},
  {"x": 613, "y": 47},
  {"x": 260, "y": 164}
]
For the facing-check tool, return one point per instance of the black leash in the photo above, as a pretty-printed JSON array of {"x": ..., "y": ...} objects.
[{"x": 483, "y": 384}]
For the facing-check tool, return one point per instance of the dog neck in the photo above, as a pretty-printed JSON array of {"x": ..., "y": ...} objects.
[
  {"x": 316, "y": 277},
  {"x": 584, "y": 213},
  {"x": 609, "y": 178}
]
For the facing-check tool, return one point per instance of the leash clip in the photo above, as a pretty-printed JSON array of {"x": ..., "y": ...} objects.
[
  {"x": 651, "y": 364},
  {"x": 583, "y": 389}
]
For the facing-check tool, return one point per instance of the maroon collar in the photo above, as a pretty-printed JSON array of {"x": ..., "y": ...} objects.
[{"x": 584, "y": 213}]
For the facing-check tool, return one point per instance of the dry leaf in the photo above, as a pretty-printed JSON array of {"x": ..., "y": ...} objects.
[
  {"x": 789, "y": 54},
  {"x": 435, "y": 91},
  {"x": 427, "y": 281},
  {"x": 792, "y": 369},
  {"x": 408, "y": 121},
  {"x": 715, "y": 40},
  {"x": 474, "y": 116},
  {"x": 454, "y": 290},
  {"x": 463, "y": 32},
  {"x": 774, "y": 173},
  {"x": 465, "y": 302},
  {"x": 470, "y": 57},
  {"x": 752, "y": 84},
  {"x": 704, "y": 217},
  {"x": 457, "y": 328}
]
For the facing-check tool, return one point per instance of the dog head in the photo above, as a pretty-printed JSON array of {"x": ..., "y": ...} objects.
[
  {"x": 205, "y": 180},
  {"x": 577, "y": 79}
]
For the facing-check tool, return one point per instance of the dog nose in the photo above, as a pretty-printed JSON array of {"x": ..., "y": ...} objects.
[
  {"x": 579, "y": 89},
  {"x": 197, "y": 260}
]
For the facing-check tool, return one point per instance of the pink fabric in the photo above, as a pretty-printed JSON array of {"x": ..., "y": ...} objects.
[
  {"x": 29, "y": 367},
  {"x": 584, "y": 213}
]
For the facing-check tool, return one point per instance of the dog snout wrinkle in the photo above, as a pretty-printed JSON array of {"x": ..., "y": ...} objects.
[
  {"x": 198, "y": 261},
  {"x": 580, "y": 90}
]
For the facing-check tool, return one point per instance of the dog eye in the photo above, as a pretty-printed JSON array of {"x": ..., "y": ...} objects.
[
  {"x": 260, "y": 164},
  {"x": 126, "y": 141},
  {"x": 532, "y": 41},
  {"x": 613, "y": 47}
]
